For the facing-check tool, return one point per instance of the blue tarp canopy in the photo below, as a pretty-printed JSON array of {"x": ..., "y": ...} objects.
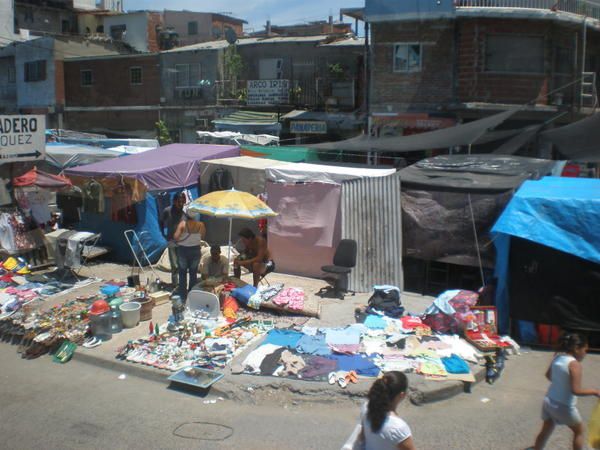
[{"x": 560, "y": 213}]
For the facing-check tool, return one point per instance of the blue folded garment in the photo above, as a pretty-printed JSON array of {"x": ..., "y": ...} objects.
[
  {"x": 313, "y": 345},
  {"x": 243, "y": 294},
  {"x": 360, "y": 364},
  {"x": 455, "y": 364},
  {"x": 284, "y": 338},
  {"x": 375, "y": 322}
]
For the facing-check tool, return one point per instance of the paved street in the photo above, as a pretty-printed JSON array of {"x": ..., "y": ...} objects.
[{"x": 78, "y": 406}]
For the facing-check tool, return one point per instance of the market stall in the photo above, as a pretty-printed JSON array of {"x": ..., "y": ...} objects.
[
  {"x": 449, "y": 204},
  {"x": 242, "y": 173},
  {"x": 320, "y": 204},
  {"x": 548, "y": 257},
  {"x": 134, "y": 189}
]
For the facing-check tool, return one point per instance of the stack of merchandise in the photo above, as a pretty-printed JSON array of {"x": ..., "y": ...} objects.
[
  {"x": 196, "y": 342},
  {"x": 39, "y": 332},
  {"x": 381, "y": 343}
]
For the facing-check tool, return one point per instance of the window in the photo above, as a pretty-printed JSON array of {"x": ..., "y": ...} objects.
[
  {"x": 65, "y": 26},
  {"x": 270, "y": 69},
  {"x": 117, "y": 32},
  {"x": 135, "y": 75},
  {"x": 86, "y": 78},
  {"x": 28, "y": 15},
  {"x": 407, "y": 57},
  {"x": 514, "y": 54},
  {"x": 11, "y": 75},
  {"x": 187, "y": 75},
  {"x": 35, "y": 70},
  {"x": 192, "y": 28}
]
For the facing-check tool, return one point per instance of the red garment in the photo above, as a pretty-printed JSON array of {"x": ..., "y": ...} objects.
[{"x": 409, "y": 322}]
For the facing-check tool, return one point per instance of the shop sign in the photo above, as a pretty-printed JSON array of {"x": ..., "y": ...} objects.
[
  {"x": 268, "y": 92},
  {"x": 22, "y": 138},
  {"x": 308, "y": 127},
  {"x": 189, "y": 92}
]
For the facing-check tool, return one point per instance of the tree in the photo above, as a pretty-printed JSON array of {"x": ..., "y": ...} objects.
[
  {"x": 162, "y": 133},
  {"x": 234, "y": 65}
]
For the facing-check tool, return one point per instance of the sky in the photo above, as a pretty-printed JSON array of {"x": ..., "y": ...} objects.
[{"x": 256, "y": 12}]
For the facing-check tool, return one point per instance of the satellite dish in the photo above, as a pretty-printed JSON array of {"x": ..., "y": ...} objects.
[{"x": 231, "y": 36}]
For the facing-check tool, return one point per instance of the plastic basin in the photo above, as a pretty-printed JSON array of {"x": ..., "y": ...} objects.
[{"x": 130, "y": 314}]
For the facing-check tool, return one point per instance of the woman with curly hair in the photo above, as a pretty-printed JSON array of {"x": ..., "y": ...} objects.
[{"x": 382, "y": 429}]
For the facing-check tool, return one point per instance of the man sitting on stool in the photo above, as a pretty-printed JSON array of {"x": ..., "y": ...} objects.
[
  {"x": 214, "y": 265},
  {"x": 256, "y": 256}
]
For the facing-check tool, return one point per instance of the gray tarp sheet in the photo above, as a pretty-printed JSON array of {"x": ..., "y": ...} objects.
[
  {"x": 474, "y": 172},
  {"x": 438, "y": 195},
  {"x": 464, "y": 134},
  {"x": 579, "y": 141}
]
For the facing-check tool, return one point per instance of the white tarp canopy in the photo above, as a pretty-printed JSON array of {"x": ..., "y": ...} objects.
[
  {"x": 63, "y": 156},
  {"x": 257, "y": 139},
  {"x": 317, "y": 173}
]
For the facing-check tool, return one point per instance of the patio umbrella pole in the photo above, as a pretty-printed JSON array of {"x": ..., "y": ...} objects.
[{"x": 229, "y": 245}]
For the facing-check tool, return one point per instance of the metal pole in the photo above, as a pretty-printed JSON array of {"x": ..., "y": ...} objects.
[
  {"x": 583, "y": 51},
  {"x": 367, "y": 76}
]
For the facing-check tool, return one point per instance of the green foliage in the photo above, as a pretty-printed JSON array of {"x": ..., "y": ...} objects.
[
  {"x": 234, "y": 65},
  {"x": 162, "y": 133},
  {"x": 336, "y": 70}
]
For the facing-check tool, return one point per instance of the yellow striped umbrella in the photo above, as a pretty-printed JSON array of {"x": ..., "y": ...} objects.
[{"x": 231, "y": 204}]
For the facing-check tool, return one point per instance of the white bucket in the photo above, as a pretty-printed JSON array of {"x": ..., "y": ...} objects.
[{"x": 130, "y": 314}]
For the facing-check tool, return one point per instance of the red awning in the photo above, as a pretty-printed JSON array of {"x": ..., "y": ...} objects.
[{"x": 38, "y": 178}]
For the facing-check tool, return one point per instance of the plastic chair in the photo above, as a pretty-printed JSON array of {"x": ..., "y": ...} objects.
[
  {"x": 344, "y": 261},
  {"x": 203, "y": 301}
]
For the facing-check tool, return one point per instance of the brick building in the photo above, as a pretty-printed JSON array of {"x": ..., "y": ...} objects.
[
  {"x": 117, "y": 95},
  {"x": 450, "y": 61}
]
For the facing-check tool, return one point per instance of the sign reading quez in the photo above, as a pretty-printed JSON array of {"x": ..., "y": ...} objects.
[
  {"x": 22, "y": 138},
  {"x": 268, "y": 92}
]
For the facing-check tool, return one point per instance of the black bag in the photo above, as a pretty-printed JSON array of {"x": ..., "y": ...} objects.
[{"x": 387, "y": 302}]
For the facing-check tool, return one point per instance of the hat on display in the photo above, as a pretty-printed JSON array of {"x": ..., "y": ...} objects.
[{"x": 99, "y": 307}]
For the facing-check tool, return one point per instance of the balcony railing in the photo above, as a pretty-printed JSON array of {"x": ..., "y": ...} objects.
[{"x": 579, "y": 7}]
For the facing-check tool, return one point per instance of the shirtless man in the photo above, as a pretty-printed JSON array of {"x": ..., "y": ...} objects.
[{"x": 256, "y": 257}]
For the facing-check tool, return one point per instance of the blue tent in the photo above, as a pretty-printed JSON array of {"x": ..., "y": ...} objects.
[
  {"x": 560, "y": 213},
  {"x": 162, "y": 172}
]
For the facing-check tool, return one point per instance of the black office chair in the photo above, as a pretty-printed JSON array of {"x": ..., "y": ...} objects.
[{"x": 344, "y": 261}]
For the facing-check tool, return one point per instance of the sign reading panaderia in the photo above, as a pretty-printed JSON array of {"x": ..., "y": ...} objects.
[
  {"x": 308, "y": 127},
  {"x": 268, "y": 92},
  {"x": 22, "y": 138}
]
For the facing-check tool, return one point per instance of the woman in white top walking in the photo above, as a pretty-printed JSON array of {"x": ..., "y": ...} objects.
[
  {"x": 189, "y": 235},
  {"x": 559, "y": 407},
  {"x": 382, "y": 429}
]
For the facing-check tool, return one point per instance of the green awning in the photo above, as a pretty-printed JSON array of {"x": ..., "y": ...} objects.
[{"x": 289, "y": 154}]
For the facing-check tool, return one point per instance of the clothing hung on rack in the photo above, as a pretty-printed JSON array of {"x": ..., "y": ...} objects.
[
  {"x": 15, "y": 231},
  {"x": 69, "y": 201},
  {"x": 36, "y": 201},
  {"x": 122, "y": 207},
  {"x": 93, "y": 197}
]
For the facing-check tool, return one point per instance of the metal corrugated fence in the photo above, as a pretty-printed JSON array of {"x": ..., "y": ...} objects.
[{"x": 372, "y": 216}]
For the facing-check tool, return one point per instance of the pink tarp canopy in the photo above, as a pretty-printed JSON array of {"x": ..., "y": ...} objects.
[{"x": 170, "y": 167}]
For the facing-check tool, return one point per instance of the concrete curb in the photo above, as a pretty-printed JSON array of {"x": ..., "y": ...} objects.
[{"x": 251, "y": 388}]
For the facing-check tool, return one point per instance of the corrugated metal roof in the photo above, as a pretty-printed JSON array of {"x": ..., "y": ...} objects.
[
  {"x": 348, "y": 42},
  {"x": 217, "y": 45},
  {"x": 248, "y": 118},
  {"x": 213, "y": 45}
]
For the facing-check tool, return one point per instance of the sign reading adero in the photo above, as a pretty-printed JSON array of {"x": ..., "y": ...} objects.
[
  {"x": 268, "y": 92},
  {"x": 22, "y": 138}
]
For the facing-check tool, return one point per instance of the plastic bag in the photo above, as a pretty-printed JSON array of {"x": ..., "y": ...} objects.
[{"x": 594, "y": 428}]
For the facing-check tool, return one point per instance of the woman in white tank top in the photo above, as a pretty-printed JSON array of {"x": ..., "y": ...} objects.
[
  {"x": 189, "y": 235},
  {"x": 559, "y": 407}
]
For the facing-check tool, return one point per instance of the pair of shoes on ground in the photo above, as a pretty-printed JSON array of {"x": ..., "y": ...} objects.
[
  {"x": 342, "y": 378},
  {"x": 92, "y": 342}
]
